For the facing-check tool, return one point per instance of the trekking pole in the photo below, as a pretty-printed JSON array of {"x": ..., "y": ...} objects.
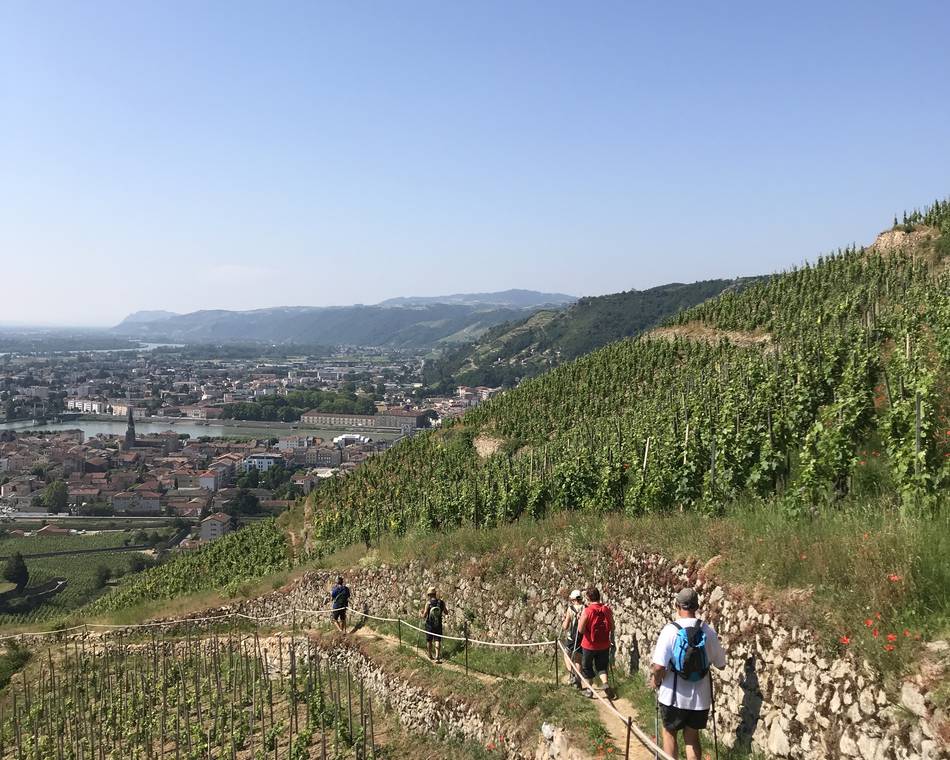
[
  {"x": 466, "y": 647},
  {"x": 712, "y": 696},
  {"x": 656, "y": 722}
]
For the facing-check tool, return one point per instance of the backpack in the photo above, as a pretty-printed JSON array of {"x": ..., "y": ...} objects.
[
  {"x": 689, "y": 659},
  {"x": 342, "y": 599},
  {"x": 434, "y": 616},
  {"x": 598, "y": 626}
]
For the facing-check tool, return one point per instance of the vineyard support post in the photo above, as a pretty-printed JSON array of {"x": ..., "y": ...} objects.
[
  {"x": 556, "y": 674},
  {"x": 917, "y": 433},
  {"x": 466, "y": 647},
  {"x": 626, "y": 753}
]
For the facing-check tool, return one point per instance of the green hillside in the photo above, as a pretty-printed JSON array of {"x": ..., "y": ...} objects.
[
  {"x": 831, "y": 358},
  {"x": 512, "y": 351},
  {"x": 817, "y": 389}
]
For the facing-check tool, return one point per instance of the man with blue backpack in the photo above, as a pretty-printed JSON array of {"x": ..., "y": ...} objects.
[{"x": 684, "y": 653}]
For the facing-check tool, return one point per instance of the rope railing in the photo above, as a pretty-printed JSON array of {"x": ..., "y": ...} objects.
[{"x": 632, "y": 729}]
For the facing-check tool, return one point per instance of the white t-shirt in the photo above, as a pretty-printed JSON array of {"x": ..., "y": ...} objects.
[{"x": 690, "y": 695}]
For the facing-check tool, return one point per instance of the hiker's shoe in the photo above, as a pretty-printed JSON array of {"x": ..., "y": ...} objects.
[{"x": 587, "y": 693}]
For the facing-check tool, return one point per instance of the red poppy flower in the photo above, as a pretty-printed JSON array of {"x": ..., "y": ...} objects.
[
  {"x": 888, "y": 647},
  {"x": 906, "y": 633},
  {"x": 892, "y": 637},
  {"x": 868, "y": 623},
  {"x": 845, "y": 640},
  {"x": 893, "y": 578},
  {"x": 874, "y": 633}
]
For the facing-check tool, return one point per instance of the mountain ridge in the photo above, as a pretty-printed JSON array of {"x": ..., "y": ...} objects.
[{"x": 509, "y": 352}]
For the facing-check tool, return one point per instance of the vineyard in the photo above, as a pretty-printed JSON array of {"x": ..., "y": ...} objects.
[
  {"x": 248, "y": 554},
  {"x": 813, "y": 388},
  {"x": 79, "y": 570},
  {"x": 225, "y": 696},
  {"x": 847, "y": 356}
]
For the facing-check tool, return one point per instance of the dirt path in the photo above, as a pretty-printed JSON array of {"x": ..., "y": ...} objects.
[{"x": 615, "y": 726}]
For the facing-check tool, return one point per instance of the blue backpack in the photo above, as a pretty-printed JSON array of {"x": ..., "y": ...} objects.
[{"x": 689, "y": 659}]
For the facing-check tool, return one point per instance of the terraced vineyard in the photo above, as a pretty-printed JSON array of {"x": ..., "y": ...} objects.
[
  {"x": 248, "y": 554},
  {"x": 79, "y": 570},
  {"x": 223, "y": 696},
  {"x": 825, "y": 382},
  {"x": 773, "y": 390}
]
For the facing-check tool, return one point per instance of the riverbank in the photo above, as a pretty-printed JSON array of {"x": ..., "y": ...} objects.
[{"x": 93, "y": 425}]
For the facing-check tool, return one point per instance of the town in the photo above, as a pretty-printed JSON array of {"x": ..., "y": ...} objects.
[{"x": 212, "y": 437}]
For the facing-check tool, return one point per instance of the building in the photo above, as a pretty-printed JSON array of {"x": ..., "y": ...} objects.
[
  {"x": 261, "y": 462},
  {"x": 405, "y": 421},
  {"x": 209, "y": 479},
  {"x": 319, "y": 456},
  {"x": 87, "y": 405},
  {"x": 216, "y": 525},
  {"x": 137, "y": 503}
]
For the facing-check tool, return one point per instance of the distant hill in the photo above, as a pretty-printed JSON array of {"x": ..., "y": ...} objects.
[
  {"x": 417, "y": 327},
  {"x": 512, "y": 351},
  {"x": 518, "y": 299},
  {"x": 146, "y": 316}
]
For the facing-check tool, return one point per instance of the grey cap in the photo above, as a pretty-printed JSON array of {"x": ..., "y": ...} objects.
[{"x": 687, "y": 599}]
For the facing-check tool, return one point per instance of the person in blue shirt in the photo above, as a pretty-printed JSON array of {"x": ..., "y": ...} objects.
[{"x": 339, "y": 602}]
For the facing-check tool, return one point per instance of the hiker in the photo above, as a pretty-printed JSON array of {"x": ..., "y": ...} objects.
[
  {"x": 569, "y": 637},
  {"x": 340, "y": 601},
  {"x": 432, "y": 614},
  {"x": 595, "y": 628},
  {"x": 684, "y": 651}
]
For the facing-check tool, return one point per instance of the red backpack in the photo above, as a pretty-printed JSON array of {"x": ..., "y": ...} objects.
[{"x": 597, "y": 631}]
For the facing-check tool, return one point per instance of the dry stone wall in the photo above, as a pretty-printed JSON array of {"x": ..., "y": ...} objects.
[{"x": 781, "y": 694}]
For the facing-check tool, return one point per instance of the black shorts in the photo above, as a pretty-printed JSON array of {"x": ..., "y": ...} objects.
[
  {"x": 594, "y": 659},
  {"x": 338, "y": 615},
  {"x": 433, "y": 633},
  {"x": 677, "y": 718}
]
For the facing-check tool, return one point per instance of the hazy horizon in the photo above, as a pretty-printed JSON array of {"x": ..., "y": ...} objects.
[{"x": 178, "y": 157}]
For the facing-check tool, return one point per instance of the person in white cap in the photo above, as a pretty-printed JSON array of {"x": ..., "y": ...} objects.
[
  {"x": 569, "y": 637},
  {"x": 684, "y": 653},
  {"x": 433, "y": 613}
]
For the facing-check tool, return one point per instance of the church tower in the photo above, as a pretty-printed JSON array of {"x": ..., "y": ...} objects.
[{"x": 129, "y": 442}]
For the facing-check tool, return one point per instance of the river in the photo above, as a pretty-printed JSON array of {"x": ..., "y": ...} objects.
[{"x": 143, "y": 427}]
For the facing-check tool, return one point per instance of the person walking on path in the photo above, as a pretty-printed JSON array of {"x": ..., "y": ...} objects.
[
  {"x": 570, "y": 638},
  {"x": 595, "y": 628},
  {"x": 339, "y": 602},
  {"x": 684, "y": 652},
  {"x": 433, "y": 613}
]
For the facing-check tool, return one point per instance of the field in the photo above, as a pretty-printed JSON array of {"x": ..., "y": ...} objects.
[{"x": 80, "y": 570}]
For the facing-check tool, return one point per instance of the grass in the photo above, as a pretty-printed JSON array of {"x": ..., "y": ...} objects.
[{"x": 862, "y": 560}]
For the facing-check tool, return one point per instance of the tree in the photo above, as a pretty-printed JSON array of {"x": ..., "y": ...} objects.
[
  {"x": 244, "y": 503},
  {"x": 56, "y": 496},
  {"x": 101, "y": 576},
  {"x": 15, "y": 571}
]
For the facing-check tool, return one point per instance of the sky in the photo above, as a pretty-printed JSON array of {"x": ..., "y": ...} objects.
[{"x": 183, "y": 156}]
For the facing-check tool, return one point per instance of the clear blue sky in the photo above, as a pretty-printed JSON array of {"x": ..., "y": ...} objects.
[{"x": 187, "y": 155}]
